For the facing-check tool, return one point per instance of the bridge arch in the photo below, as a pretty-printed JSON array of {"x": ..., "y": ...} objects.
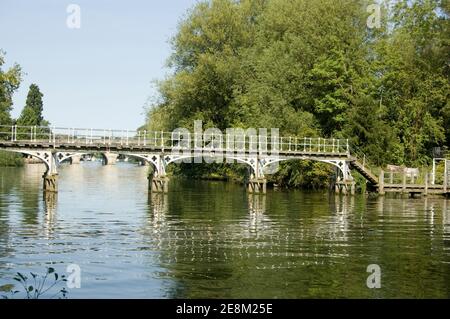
[
  {"x": 46, "y": 157},
  {"x": 341, "y": 165},
  {"x": 64, "y": 156},
  {"x": 147, "y": 158},
  {"x": 108, "y": 157},
  {"x": 259, "y": 165},
  {"x": 50, "y": 177}
]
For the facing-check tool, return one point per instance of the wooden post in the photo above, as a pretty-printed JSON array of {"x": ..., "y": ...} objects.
[
  {"x": 381, "y": 183},
  {"x": 433, "y": 181},
  {"x": 257, "y": 186},
  {"x": 446, "y": 176},
  {"x": 426, "y": 184},
  {"x": 404, "y": 182}
]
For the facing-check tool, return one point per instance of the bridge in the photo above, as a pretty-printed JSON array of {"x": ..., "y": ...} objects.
[{"x": 260, "y": 152}]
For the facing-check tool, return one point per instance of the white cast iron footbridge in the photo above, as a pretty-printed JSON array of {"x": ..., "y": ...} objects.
[{"x": 53, "y": 145}]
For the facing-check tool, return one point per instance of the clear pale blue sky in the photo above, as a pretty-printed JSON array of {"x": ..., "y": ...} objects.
[{"x": 99, "y": 75}]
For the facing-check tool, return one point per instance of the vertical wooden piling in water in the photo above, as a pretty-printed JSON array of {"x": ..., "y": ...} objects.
[
  {"x": 446, "y": 176},
  {"x": 381, "y": 183},
  {"x": 404, "y": 183},
  {"x": 353, "y": 188},
  {"x": 256, "y": 186}
]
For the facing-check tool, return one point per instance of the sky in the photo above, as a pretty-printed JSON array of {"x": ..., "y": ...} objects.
[{"x": 100, "y": 75}]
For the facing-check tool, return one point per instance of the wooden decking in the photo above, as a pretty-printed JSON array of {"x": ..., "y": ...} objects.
[
  {"x": 425, "y": 188},
  {"x": 415, "y": 189}
]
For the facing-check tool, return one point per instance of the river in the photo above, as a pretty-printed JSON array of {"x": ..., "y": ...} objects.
[{"x": 213, "y": 240}]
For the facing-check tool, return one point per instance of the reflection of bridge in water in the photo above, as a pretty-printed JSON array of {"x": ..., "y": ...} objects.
[
  {"x": 50, "y": 209},
  {"x": 257, "y": 236}
]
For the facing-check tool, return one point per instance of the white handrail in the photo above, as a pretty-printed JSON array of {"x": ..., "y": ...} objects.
[{"x": 160, "y": 139}]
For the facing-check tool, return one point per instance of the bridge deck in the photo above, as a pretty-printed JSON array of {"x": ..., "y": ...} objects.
[{"x": 136, "y": 148}]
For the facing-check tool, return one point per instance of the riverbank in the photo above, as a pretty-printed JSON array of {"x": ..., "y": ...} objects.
[
  {"x": 290, "y": 175},
  {"x": 8, "y": 159}
]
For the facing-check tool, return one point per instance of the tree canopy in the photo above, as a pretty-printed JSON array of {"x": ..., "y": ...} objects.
[
  {"x": 9, "y": 83},
  {"x": 32, "y": 112},
  {"x": 314, "y": 68}
]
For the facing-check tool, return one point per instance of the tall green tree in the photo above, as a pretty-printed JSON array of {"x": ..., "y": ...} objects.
[
  {"x": 413, "y": 82},
  {"x": 206, "y": 60},
  {"x": 32, "y": 112}
]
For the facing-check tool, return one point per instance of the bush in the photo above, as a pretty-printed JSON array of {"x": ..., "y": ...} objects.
[{"x": 10, "y": 159}]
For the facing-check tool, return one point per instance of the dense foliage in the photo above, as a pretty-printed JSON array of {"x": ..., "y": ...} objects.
[
  {"x": 9, "y": 83},
  {"x": 31, "y": 114},
  {"x": 314, "y": 68}
]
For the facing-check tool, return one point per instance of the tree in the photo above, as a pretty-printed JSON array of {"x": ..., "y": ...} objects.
[
  {"x": 413, "y": 82},
  {"x": 32, "y": 112},
  {"x": 9, "y": 83},
  {"x": 314, "y": 68}
]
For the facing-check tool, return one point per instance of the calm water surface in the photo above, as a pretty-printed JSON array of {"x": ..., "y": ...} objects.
[{"x": 212, "y": 240}]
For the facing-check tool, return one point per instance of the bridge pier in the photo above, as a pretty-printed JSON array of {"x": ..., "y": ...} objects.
[
  {"x": 345, "y": 187},
  {"x": 345, "y": 184},
  {"x": 110, "y": 158},
  {"x": 76, "y": 159},
  {"x": 158, "y": 184},
  {"x": 50, "y": 177},
  {"x": 257, "y": 185},
  {"x": 50, "y": 183}
]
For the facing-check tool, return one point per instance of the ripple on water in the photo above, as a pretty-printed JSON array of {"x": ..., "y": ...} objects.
[{"x": 212, "y": 240}]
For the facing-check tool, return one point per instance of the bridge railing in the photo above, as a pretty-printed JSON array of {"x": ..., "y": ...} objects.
[
  {"x": 259, "y": 143},
  {"x": 408, "y": 177},
  {"x": 364, "y": 160},
  {"x": 313, "y": 145},
  {"x": 25, "y": 133},
  {"x": 167, "y": 140}
]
